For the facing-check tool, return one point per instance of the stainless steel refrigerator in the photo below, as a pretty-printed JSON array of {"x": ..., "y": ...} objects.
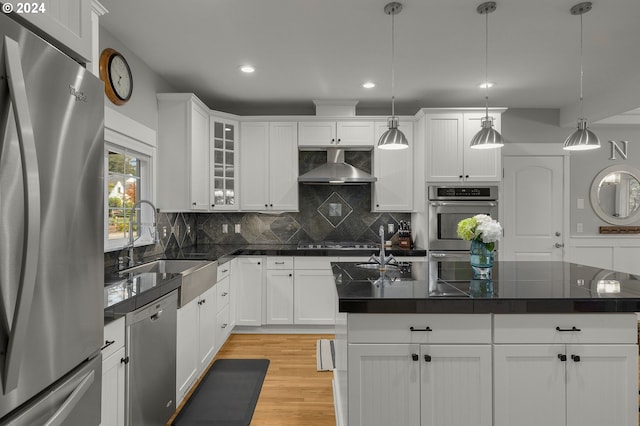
[{"x": 51, "y": 234}]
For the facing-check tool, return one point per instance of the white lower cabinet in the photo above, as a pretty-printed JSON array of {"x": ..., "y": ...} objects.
[
  {"x": 501, "y": 370},
  {"x": 384, "y": 385},
  {"x": 249, "y": 291},
  {"x": 113, "y": 378},
  {"x": 314, "y": 291},
  {"x": 581, "y": 371},
  {"x": 195, "y": 340},
  {"x": 279, "y": 297},
  {"x": 405, "y": 369},
  {"x": 225, "y": 317}
]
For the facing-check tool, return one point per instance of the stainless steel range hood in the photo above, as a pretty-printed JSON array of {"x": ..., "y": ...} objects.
[{"x": 336, "y": 172}]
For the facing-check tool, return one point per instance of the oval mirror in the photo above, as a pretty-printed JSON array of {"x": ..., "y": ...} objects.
[{"x": 615, "y": 195}]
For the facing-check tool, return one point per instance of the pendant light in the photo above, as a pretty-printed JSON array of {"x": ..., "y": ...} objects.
[
  {"x": 393, "y": 138},
  {"x": 582, "y": 138},
  {"x": 487, "y": 137}
]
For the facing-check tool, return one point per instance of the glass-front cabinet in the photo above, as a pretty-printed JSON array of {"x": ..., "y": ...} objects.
[{"x": 223, "y": 163}]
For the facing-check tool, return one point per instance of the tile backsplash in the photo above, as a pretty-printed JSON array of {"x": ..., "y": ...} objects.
[{"x": 326, "y": 212}]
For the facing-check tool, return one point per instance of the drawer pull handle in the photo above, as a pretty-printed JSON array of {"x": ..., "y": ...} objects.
[
  {"x": 107, "y": 343},
  {"x": 562, "y": 357},
  {"x": 224, "y": 325},
  {"x": 279, "y": 263},
  {"x": 412, "y": 328},
  {"x": 568, "y": 329},
  {"x": 414, "y": 357},
  {"x": 225, "y": 270},
  {"x": 575, "y": 358},
  {"x": 427, "y": 358}
]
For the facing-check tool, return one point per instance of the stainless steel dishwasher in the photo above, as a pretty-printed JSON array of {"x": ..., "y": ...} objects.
[{"x": 151, "y": 367}]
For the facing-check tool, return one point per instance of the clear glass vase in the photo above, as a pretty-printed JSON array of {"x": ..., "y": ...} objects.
[{"x": 481, "y": 259}]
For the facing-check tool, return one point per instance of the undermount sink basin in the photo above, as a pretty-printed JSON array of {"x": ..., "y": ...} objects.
[
  {"x": 166, "y": 266},
  {"x": 196, "y": 276}
]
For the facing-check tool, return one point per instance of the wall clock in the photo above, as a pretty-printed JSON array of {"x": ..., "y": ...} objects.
[{"x": 116, "y": 74}]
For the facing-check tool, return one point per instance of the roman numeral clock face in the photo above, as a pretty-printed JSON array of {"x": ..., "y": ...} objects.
[{"x": 116, "y": 74}]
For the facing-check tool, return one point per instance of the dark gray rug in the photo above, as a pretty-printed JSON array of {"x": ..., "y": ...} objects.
[{"x": 227, "y": 395}]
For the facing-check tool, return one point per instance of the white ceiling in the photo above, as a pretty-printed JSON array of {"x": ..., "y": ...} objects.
[{"x": 306, "y": 50}]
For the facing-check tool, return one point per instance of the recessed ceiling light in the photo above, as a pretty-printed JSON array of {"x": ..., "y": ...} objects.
[
  {"x": 368, "y": 85},
  {"x": 486, "y": 85},
  {"x": 247, "y": 69}
]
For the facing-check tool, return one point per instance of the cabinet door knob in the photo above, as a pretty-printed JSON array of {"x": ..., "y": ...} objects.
[
  {"x": 193, "y": 204},
  {"x": 213, "y": 205},
  {"x": 266, "y": 205},
  {"x": 414, "y": 357},
  {"x": 290, "y": 275},
  {"x": 427, "y": 358},
  {"x": 124, "y": 360},
  {"x": 224, "y": 294},
  {"x": 562, "y": 357},
  {"x": 339, "y": 140},
  {"x": 575, "y": 358},
  {"x": 466, "y": 176},
  {"x": 270, "y": 205},
  {"x": 460, "y": 176}
]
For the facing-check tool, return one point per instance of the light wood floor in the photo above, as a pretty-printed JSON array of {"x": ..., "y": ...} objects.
[{"x": 293, "y": 393}]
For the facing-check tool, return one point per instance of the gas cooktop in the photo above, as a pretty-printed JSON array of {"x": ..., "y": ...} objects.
[{"x": 337, "y": 245}]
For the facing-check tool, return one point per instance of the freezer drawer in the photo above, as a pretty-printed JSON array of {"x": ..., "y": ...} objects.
[{"x": 73, "y": 400}]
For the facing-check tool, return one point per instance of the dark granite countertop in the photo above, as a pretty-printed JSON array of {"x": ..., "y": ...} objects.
[
  {"x": 125, "y": 293},
  {"x": 515, "y": 287}
]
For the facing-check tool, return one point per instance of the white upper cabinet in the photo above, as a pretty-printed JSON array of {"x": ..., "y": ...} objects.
[
  {"x": 65, "y": 23},
  {"x": 393, "y": 191},
  {"x": 183, "y": 153},
  {"x": 223, "y": 164},
  {"x": 449, "y": 157},
  {"x": 269, "y": 166},
  {"x": 322, "y": 134}
]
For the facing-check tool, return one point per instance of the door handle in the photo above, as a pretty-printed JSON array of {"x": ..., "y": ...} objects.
[
  {"x": 31, "y": 248},
  {"x": 558, "y": 245}
]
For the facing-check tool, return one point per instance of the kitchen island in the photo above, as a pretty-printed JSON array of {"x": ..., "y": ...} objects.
[{"x": 541, "y": 343}]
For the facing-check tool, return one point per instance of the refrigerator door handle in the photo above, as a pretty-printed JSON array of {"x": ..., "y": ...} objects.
[
  {"x": 31, "y": 181},
  {"x": 69, "y": 404}
]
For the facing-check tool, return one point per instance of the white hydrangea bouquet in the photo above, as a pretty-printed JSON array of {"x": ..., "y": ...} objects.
[{"x": 480, "y": 228}]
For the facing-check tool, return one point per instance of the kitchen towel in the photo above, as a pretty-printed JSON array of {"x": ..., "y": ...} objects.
[
  {"x": 227, "y": 395},
  {"x": 325, "y": 354}
]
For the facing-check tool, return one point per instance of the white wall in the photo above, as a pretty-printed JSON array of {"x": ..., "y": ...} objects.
[{"x": 142, "y": 107}]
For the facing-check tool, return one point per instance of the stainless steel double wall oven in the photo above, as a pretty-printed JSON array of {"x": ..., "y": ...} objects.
[{"x": 447, "y": 205}]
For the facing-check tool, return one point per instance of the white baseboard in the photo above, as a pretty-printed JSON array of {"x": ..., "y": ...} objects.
[{"x": 285, "y": 329}]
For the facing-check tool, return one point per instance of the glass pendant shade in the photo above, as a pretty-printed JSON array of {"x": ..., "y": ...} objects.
[
  {"x": 393, "y": 138},
  {"x": 582, "y": 138},
  {"x": 487, "y": 137}
]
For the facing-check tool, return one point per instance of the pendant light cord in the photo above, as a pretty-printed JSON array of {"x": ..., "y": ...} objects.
[
  {"x": 393, "y": 98},
  {"x": 486, "y": 65},
  {"x": 581, "y": 71}
]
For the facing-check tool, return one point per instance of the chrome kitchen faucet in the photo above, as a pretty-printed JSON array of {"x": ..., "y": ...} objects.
[{"x": 154, "y": 232}]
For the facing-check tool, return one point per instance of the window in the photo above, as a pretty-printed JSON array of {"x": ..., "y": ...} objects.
[{"x": 127, "y": 181}]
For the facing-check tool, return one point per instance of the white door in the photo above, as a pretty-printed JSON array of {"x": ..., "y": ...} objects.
[
  {"x": 249, "y": 300},
  {"x": 602, "y": 385},
  {"x": 384, "y": 385},
  {"x": 529, "y": 385},
  {"x": 279, "y": 290},
  {"x": 479, "y": 164},
  {"x": 206, "y": 328},
  {"x": 532, "y": 200},
  {"x": 283, "y": 166},
  {"x": 451, "y": 374},
  {"x": 315, "y": 297},
  {"x": 254, "y": 166}
]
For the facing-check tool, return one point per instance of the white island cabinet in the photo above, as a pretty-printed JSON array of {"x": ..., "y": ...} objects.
[
  {"x": 415, "y": 369},
  {"x": 113, "y": 366},
  {"x": 490, "y": 369},
  {"x": 586, "y": 372}
]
